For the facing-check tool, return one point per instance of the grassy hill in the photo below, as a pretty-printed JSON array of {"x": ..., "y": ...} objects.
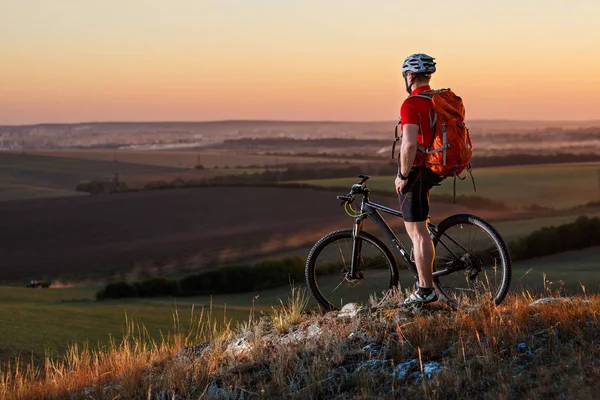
[
  {"x": 516, "y": 350},
  {"x": 82, "y": 319}
]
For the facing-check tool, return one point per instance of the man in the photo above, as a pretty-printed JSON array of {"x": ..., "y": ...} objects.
[{"x": 414, "y": 180}]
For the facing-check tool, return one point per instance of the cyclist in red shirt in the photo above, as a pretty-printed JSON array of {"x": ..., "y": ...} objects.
[{"x": 414, "y": 180}]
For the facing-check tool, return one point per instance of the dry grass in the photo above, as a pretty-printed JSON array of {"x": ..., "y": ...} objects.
[
  {"x": 292, "y": 313},
  {"x": 510, "y": 351}
]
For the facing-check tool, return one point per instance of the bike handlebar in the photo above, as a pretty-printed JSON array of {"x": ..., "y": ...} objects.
[{"x": 357, "y": 188}]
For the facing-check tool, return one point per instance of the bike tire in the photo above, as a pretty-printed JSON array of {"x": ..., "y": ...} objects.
[
  {"x": 500, "y": 246},
  {"x": 331, "y": 238}
]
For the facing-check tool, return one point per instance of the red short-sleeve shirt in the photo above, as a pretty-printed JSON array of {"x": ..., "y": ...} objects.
[{"x": 415, "y": 110}]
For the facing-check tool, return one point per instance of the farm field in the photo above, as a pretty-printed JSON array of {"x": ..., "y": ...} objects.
[
  {"x": 27, "y": 176},
  {"x": 39, "y": 322},
  {"x": 106, "y": 234},
  {"x": 557, "y": 186},
  {"x": 32, "y": 176},
  {"x": 187, "y": 158}
]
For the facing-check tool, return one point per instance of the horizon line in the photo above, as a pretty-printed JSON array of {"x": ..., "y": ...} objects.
[{"x": 553, "y": 121}]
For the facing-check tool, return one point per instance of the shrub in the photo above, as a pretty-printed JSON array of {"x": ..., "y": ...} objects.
[
  {"x": 584, "y": 232},
  {"x": 178, "y": 183},
  {"x": 118, "y": 290},
  {"x": 242, "y": 278},
  {"x": 100, "y": 294},
  {"x": 97, "y": 187},
  {"x": 231, "y": 278},
  {"x": 93, "y": 187},
  {"x": 158, "y": 286}
]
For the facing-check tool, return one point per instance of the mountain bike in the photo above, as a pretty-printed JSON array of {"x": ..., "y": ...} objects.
[{"x": 472, "y": 263}]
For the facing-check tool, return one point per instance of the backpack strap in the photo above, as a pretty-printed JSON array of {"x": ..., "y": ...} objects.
[
  {"x": 396, "y": 138},
  {"x": 424, "y": 95},
  {"x": 433, "y": 117}
]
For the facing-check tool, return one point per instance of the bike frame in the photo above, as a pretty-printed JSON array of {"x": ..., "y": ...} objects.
[{"x": 372, "y": 210}]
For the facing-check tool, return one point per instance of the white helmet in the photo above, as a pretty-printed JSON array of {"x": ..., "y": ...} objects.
[{"x": 419, "y": 64}]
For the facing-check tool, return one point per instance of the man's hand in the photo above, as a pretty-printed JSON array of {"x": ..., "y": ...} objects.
[{"x": 400, "y": 184}]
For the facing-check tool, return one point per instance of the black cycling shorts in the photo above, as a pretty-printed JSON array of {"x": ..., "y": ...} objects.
[{"x": 414, "y": 200}]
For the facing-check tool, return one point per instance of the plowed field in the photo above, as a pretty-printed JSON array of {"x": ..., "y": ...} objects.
[{"x": 96, "y": 235}]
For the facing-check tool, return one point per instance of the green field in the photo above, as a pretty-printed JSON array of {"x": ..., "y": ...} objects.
[
  {"x": 570, "y": 267},
  {"x": 557, "y": 185},
  {"x": 35, "y": 322}
]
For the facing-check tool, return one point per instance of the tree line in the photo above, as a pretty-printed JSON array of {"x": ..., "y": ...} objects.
[
  {"x": 232, "y": 278},
  {"x": 580, "y": 234}
]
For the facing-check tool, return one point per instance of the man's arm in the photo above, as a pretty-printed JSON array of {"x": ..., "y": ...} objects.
[{"x": 408, "y": 150}]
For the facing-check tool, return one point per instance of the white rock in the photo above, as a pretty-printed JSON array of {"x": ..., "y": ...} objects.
[
  {"x": 238, "y": 347},
  {"x": 350, "y": 310},
  {"x": 547, "y": 300},
  {"x": 373, "y": 365},
  {"x": 371, "y": 348},
  {"x": 429, "y": 369},
  {"x": 311, "y": 332},
  {"x": 402, "y": 369},
  {"x": 432, "y": 368},
  {"x": 269, "y": 338},
  {"x": 189, "y": 352}
]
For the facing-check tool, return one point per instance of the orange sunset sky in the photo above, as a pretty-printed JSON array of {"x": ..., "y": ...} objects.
[{"x": 195, "y": 60}]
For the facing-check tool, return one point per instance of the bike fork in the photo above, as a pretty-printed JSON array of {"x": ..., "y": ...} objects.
[{"x": 356, "y": 248}]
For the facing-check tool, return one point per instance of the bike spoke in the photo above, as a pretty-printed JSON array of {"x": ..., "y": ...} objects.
[
  {"x": 467, "y": 263},
  {"x": 331, "y": 273}
]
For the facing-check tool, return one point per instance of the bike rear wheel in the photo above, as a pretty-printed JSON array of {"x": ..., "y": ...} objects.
[
  {"x": 477, "y": 259},
  {"x": 328, "y": 266}
]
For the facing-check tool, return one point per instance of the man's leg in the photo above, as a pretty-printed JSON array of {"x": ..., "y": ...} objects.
[
  {"x": 423, "y": 251},
  {"x": 415, "y": 209}
]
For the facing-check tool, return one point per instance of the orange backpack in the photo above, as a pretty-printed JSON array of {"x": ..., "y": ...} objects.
[{"x": 450, "y": 150}]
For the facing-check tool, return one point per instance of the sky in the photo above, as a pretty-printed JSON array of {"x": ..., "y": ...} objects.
[{"x": 198, "y": 60}]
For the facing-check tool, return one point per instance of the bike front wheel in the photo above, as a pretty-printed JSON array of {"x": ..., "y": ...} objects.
[
  {"x": 472, "y": 264},
  {"x": 328, "y": 269}
]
